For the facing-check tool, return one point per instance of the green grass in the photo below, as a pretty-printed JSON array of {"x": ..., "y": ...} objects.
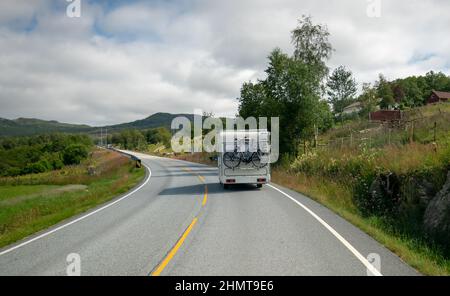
[
  {"x": 8, "y": 192},
  {"x": 427, "y": 259},
  {"x": 37, "y": 207}
]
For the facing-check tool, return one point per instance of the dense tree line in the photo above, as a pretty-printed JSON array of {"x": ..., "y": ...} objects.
[
  {"x": 411, "y": 91},
  {"x": 37, "y": 154},
  {"x": 134, "y": 139},
  {"x": 401, "y": 93}
]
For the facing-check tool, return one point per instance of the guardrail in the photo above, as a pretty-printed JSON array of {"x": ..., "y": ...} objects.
[{"x": 131, "y": 156}]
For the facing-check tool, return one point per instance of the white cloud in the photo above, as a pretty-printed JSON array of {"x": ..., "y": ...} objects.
[{"x": 125, "y": 62}]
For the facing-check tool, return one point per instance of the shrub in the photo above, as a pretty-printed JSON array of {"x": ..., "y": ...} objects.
[
  {"x": 37, "y": 167},
  {"x": 74, "y": 154},
  {"x": 13, "y": 171},
  {"x": 378, "y": 195},
  {"x": 54, "y": 161}
]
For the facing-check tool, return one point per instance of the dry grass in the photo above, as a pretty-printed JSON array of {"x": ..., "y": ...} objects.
[
  {"x": 418, "y": 125},
  {"x": 324, "y": 191},
  {"x": 202, "y": 157},
  {"x": 103, "y": 162}
]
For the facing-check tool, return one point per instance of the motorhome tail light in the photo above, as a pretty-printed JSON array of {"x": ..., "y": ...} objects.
[
  {"x": 261, "y": 180},
  {"x": 230, "y": 181}
]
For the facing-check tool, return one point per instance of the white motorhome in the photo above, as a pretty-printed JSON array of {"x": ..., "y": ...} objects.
[{"x": 243, "y": 157}]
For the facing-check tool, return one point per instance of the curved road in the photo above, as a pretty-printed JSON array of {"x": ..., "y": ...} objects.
[{"x": 180, "y": 221}]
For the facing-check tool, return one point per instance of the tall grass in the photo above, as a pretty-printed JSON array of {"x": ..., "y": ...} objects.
[
  {"x": 423, "y": 256},
  {"x": 423, "y": 125}
]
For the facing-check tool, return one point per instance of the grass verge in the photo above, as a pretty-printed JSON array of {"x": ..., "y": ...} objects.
[
  {"x": 421, "y": 256},
  {"x": 35, "y": 202}
]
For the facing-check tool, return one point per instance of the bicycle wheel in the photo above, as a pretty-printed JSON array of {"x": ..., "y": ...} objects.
[
  {"x": 231, "y": 160},
  {"x": 256, "y": 160}
]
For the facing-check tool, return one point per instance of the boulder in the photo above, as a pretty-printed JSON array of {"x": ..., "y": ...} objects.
[
  {"x": 91, "y": 170},
  {"x": 437, "y": 215},
  {"x": 417, "y": 191},
  {"x": 425, "y": 192},
  {"x": 384, "y": 195}
]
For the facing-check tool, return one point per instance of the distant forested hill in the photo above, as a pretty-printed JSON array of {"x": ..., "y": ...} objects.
[
  {"x": 31, "y": 126},
  {"x": 153, "y": 121}
]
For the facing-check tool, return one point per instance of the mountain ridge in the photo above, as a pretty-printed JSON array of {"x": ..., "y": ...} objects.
[{"x": 23, "y": 126}]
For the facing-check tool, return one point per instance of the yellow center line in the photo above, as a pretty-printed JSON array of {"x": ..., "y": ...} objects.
[
  {"x": 180, "y": 242},
  {"x": 205, "y": 196},
  {"x": 201, "y": 178},
  {"x": 174, "y": 250}
]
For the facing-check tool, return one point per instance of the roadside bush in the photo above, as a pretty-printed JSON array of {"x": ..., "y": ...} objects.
[
  {"x": 74, "y": 154},
  {"x": 54, "y": 161},
  {"x": 37, "y": 167},
  {"x": 12, "y": 171},
  {"x": 378, "y": 195}
]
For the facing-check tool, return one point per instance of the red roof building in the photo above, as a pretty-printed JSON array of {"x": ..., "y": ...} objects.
[
  {"x": 385, "y": 115},
  {"x": 438, "y": 96}
]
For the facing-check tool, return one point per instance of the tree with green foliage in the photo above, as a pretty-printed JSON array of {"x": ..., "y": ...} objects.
[
  {"x": 131, "y": 139},
  {"x": 384, "y": 92},
  {"x": 413, "y": 91},
  {"x": 341, "y": 89},
  {"x": 74, "y": 154},
  {"x": 293, "y": 87},
  {"x": 399, "y": 93},
  {"x": 253, "y": 95},
  {"x": 413, "y": 95},
  {"x": 436, "y": 81},
  {"x": 158, "y": 135},
  {"x": 311, "y": 45},
  {"x": 37, "y": 154},
  {"x": 368, "y": 99}
]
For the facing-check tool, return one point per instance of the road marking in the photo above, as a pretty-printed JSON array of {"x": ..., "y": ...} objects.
[
  {"x": 174, "y": 250},
  {"x": 334, "y": 232},
  {"x": 205, "y": 196},
  {"x": 159, "y": 269},
  {"x": 80, "y": 218},
  {"x": 200, "y": 177}
]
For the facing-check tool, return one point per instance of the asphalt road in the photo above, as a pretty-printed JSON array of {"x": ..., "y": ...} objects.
[{"x": 180, "y": 221}]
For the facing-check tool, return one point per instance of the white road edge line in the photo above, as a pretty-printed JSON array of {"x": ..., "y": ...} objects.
[
  {"x": 355, "y": 252},
  {"x": 80, "y": 218}
]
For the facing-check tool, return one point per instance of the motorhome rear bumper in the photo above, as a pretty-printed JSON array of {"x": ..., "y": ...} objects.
[{"x": 246, "y": 179}]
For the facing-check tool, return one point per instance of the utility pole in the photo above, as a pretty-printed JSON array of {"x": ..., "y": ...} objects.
[{"x": 106, "y": 138}]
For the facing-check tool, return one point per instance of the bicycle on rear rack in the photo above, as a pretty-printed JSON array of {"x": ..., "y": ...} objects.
[{"x": 233, "y": 159}]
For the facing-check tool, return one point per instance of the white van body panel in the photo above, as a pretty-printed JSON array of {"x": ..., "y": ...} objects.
[{"x": 244, "y": 173}]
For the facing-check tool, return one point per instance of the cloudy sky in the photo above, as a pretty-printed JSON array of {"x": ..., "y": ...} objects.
[{"x": 124, "y": 60}]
